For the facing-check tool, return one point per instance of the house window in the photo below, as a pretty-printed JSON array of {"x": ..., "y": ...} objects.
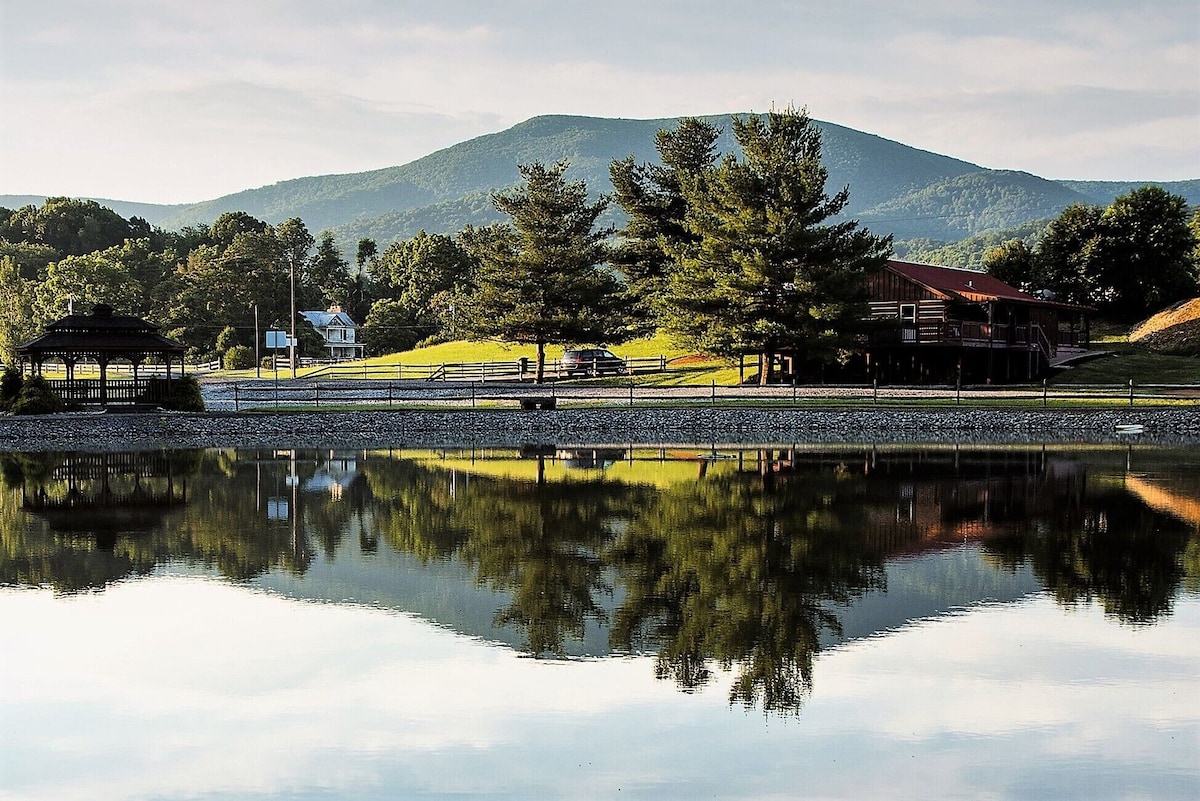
[{"x": 908, "y": 312}]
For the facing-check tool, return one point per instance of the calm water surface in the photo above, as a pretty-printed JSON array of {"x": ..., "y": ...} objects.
[{"x": 601, "y": 622}]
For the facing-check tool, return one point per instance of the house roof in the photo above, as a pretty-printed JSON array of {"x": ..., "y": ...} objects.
[
  {"x": 324, "y": 319},
  {"x": 954, "y": 283}
]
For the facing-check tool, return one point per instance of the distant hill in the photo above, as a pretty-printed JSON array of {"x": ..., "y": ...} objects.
[
  {"x": 971, "y": 251},
  {"x": 894, "y": 188},
  {"x": 963, "y": 205},
  {"x": 1101, "y": 193}
]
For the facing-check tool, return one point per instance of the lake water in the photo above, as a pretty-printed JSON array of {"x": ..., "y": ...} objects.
[{"x": 601, "y": 622}]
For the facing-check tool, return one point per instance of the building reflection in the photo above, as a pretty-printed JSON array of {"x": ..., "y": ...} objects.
[{"x": 105, "y": 495}]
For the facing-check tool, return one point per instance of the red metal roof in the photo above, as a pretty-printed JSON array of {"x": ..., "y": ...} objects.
[{"x": 957, "y": 283}]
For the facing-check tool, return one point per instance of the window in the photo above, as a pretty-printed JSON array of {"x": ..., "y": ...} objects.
[{"x": 908, "y": 312}]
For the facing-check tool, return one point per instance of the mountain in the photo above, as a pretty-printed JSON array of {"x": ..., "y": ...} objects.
[{"x": 894, "y": 188}]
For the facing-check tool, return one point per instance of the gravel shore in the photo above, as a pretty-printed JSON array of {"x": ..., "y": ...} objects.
[{"x": 512, "y": 428}]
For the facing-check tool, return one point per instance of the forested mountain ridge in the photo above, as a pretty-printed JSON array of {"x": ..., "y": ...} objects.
[{"x": 894, "y": 188}]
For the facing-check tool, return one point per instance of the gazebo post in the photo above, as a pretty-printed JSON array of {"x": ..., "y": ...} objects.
[{"x": 103, "y": 360}]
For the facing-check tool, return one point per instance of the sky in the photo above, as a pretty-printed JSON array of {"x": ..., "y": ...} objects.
[{"x": 165, "y": 101}]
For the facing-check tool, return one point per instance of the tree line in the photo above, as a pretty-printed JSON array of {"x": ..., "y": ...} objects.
[
  {"x": 738, "y": 254},
  {"x": 1128, "y": 260}
]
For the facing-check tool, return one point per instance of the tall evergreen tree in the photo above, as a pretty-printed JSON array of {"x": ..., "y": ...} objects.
[
  {"x": 541, "y": 279},
  {"x": 766, "y": 272},
  {"x": 652, "y": 197}
]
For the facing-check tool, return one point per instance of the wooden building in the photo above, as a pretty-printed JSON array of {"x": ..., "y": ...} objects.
[
  {"x": 944, "y": 324},
  {"x": 98, "y": 341}
]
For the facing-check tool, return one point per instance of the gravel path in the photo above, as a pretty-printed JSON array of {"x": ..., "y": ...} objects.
[{"x": 511, "y": 427}]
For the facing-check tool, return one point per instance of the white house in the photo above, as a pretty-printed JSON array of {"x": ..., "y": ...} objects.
[{"x": 338, "y": 330}]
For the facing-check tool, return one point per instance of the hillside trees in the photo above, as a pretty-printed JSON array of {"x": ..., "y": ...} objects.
[
  {"x": 1145, "y": 254},
  {"x": 541, "y": 278},
  {"x": 16, "y": 310},
  {"x": 425, "y": 280},
  {"x": 71, "y": 226},
  {"x": 243, "y": 264},
  {"x": 330, "y": 282},
  {"x": 765, "y": 272},
  {"x": 1130, "y": 259}
]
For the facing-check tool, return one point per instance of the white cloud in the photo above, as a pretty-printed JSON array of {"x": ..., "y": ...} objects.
[{"x": 376, "y": 83}]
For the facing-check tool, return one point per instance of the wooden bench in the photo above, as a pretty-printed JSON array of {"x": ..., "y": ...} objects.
[{"x": 537, "y": 402}]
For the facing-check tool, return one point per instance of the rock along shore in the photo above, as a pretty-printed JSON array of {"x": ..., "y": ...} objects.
[{"x": 513, "y": 428}]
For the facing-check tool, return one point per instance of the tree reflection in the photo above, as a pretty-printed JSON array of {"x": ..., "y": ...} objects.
[
  {"x": 743, "y": 564},
  {"x": 742, "y": 569},
  {"x": 540, "y": 542},
  {"x": 1114, "y": 549}
]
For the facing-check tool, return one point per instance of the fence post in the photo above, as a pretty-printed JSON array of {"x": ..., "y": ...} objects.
[
  {"x": 1045, "y": 401},
  {"x": 317, "y": 396},
  {"x": 662, "y": 363},
  {"x": 399, "y": 371},
  {"x": 875, "y": 391},
  {"x": 389, "y": 395},
  {"x": 958, "y": 391},
  {"x": 793, "y": 391},
  {"x": 714, "y": 392},
  {"x": 236, "y": 408},
  {"x": 1131, "y": 392},
  {"x": 631, "y": 392},
  {"x": 472, "y": 396}
]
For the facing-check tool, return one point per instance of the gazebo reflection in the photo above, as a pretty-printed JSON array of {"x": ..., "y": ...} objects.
[{"x": 107, "y": 495}]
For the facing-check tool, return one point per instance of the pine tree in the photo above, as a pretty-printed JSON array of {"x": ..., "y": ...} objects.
[
  {"x": 541, "y": 279},
  {"x": 766, "y": 272},
  {"x": 651, "y": 196}
]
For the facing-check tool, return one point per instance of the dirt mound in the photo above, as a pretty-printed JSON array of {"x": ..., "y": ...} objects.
[{"x": 1174, "y": 330}]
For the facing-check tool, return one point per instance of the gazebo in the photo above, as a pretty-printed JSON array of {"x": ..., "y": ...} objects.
[{"x": 104, "y": 338}]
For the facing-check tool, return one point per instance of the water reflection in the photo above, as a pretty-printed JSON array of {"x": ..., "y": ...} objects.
[{"x": 751, "y": 561}]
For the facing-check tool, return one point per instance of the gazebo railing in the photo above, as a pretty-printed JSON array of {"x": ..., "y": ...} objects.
[{"x": 88, "y": 391}]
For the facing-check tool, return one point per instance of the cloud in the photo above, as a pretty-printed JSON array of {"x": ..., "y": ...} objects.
[{"x": 380, "y": 83}]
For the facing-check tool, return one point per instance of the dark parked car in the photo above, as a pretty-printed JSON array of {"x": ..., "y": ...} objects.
[{"x": 591, "y": 361}]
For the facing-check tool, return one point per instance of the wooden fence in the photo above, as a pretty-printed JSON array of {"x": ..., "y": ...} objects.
[
  {"x": 481, "y": 394},
  {"x": 514, "y": 370}
]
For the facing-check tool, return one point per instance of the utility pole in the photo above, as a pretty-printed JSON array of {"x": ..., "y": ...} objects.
[
  {"x": 257, "y": 360},
  {"x": 292, "y": 340}
]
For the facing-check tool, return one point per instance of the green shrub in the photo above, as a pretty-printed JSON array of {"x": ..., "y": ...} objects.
[
  {"x": 180, "y": 394},
  {"x": 239, "y": 357},
  {"x": 36, "y": 397},
  {"x": 10, "y": 387}
]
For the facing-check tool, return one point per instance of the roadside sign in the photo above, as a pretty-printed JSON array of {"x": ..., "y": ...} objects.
[{"x": 277, "y": 339}]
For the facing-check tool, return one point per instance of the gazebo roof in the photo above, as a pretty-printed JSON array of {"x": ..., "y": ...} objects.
[{"x": 101, "y": 332}]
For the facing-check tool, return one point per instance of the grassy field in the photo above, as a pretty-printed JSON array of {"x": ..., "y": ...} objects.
[{"x": 1131, "y": 361}]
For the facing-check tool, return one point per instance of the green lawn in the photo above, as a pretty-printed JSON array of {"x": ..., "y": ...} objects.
[{"x": 1130, "y": 361}]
